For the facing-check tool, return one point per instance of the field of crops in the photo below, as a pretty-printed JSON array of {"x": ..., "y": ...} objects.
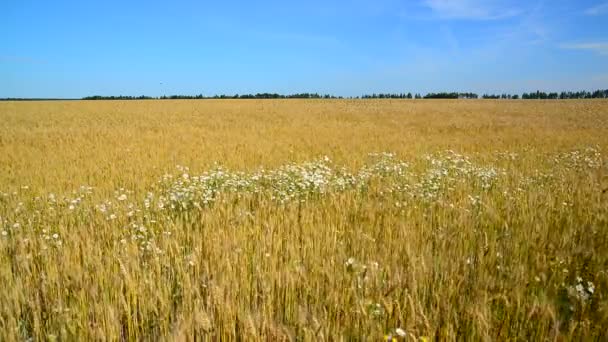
[{"x": 304, "y": 220}]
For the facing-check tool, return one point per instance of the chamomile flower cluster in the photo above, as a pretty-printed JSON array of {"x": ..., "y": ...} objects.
[
  {"x": 583, "y": 290},
  {"x": 449, "y": 169},
  {"x": 291, "y": 182},
  {"x": 581, "y": 159}
]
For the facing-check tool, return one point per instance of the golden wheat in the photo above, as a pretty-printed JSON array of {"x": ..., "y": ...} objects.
[{"x": 303, "y": 219}]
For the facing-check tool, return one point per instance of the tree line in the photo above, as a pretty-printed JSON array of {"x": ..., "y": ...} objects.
[
  {"x": 203, "y": 97},
  {"x": 598, "y": 94},
  {"x": 537, "y": 95}
]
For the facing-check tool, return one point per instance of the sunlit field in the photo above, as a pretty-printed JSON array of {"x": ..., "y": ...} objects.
[{"x": 307, "y": 220}]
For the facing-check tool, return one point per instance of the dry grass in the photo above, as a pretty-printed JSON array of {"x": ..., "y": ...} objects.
[{"x": 489, "y": 222}]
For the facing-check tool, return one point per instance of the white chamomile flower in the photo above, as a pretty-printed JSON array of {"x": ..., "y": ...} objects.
[{"x": 400, "y": 332}]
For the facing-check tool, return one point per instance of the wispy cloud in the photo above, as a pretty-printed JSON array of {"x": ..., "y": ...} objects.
[
  {"x": 598, "y": 10},
  {"x": 530, "y": 28},
  {"x": 471, "y": 9},
  {"x": 597, "y": 47}
]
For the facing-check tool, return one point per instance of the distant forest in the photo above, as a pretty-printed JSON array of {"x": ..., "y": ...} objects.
[
  {"x": 537, "y": 95},
  {"x": 203, "y": 97}
]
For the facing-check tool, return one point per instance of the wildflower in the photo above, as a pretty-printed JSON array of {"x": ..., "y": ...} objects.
[
  {"x": 582, "y": 292},
  {"x": 590, "y": 287},
  {"x": 350, "y": 263},
  {"x": 16, "y": 225},
  {"x": 580, "y": 288},
  {"x": 122, "y": 197},
  {"x": 400, "y": 332},
  {"x": 4, "y": 233},
  {"x": 55, "y": 236}
]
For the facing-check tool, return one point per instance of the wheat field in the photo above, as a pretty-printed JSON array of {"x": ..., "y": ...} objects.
[{"x": 308, "y": 220}]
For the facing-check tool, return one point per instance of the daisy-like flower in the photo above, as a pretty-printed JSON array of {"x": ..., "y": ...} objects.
[
  {"x": 590, "y": 287},
  {"x": 350, "y": 264}
]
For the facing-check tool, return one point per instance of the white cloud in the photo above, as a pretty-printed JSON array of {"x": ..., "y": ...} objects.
[
  {"x": 598, "y": 47},
  {"x": 471, "y": 9},
  {"x": 598, "y": 10}
]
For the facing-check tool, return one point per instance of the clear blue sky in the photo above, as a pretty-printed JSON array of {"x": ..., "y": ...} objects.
[{"x": 78, "y": 48}]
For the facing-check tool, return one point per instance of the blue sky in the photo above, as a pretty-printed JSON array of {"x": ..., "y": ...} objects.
[{"x": 79, "y": 48}]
